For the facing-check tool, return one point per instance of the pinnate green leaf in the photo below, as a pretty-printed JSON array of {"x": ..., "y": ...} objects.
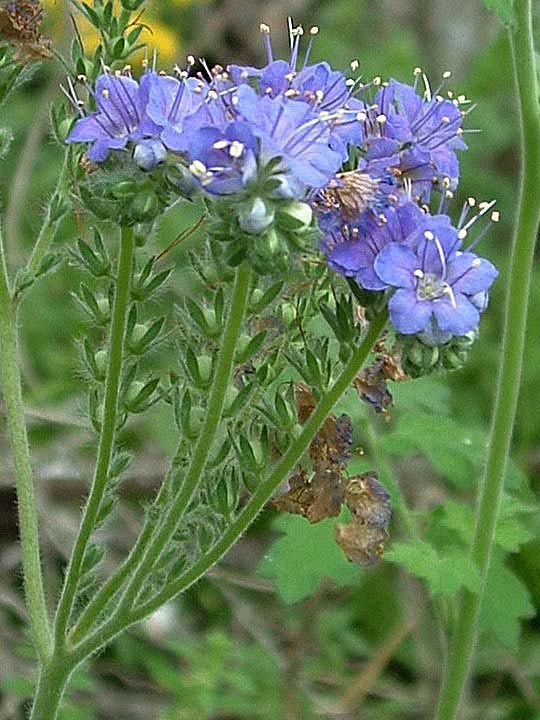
[
  {"x": 512, "y": 531},
  {"x": 445, "y": 573},
  {"x": 304, "y": 557},
  {"x": 506, "y": 602},
  {"x": 455, "y": 452}
]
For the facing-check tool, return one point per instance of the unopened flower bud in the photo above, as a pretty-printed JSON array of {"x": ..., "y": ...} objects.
[
  {"x": 137, "y": 334},
  {"x": 242, "y": 344},
  {"x": 296, "y": 216},
  {"x": 101, "y": 362},
  {"x": 133, "y": 392},
  {"x": 64, "y": 127},
  {"x": 256, "y": 218},
  {"x": 453, "y": 360},
  {"x": 205, "y": 367},
  {"x": 230, "y": 396},
  {"x": 124, "y": 189},
  {"x": 148, "y": 154},
  {"x": 288, "y": 313}
]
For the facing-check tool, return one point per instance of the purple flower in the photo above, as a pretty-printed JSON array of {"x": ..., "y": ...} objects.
[
  {"x": 223, "y": 161},
  {"x": 294, "y": 133},
  {"x": 173, "y": 100},
  {"x": 278, "y": 143},
  {"x": 435, "y": 285},
  {"x": 328, "y": 91},
  {"x": 425, "y": 132},
  {"x": 352, "y": 247},
  {"x": 120, "y": 116}
]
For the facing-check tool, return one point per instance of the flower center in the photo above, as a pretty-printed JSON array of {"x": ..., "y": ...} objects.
[{"x": 429, "y": 286}]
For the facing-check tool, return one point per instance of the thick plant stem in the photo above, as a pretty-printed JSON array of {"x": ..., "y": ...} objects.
[
  {"x": 464, "y": 641},
  {"x": 52, "y": 683},
  {"x": 216, "y": 401},
  {"x": 108, "y": 432},
  {"x": 18, "y": 437},
  {"x": 258, "y": 500}
]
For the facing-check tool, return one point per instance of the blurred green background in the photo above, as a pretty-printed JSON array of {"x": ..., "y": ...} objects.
[{"x": 231, "y": 648}]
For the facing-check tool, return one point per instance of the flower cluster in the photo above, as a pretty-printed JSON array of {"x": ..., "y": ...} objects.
[{"x": 368, "y": 158}]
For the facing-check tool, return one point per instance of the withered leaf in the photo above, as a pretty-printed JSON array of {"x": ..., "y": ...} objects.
[
  {"x": 332, "y": 445},
  {"x": 360, "y": 543},
  {"x": 305, "y": 402},
  {"x": 315, "y": 500},
  {"x": 371, "y": 381},
  {"x": 368, "y": 501},
  {"x": 372, "y": 389},
  {"x": 20, "y": 22},
  {"x": 391, "y": 367}
]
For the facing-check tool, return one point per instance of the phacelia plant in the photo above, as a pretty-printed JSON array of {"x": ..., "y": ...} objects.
[{"x": 322, "y": 197}]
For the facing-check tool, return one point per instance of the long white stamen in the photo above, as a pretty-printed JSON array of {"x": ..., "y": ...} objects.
[
  {"x": 448, "y": 291},
  {"x": 427, "y": 87}
]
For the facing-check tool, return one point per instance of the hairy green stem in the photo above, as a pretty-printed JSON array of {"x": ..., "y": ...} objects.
[
  {"x": 52, "y": 682},
  {"x": 18, "y": 437},
  {"x": 115, "y": 582},
  {"x": 215, "y": 405},
  {"x": 216, "y": 401},
  {"x": 53, "y": 216},
  {"x": 119, "y": 621},
  {"x": 108, "y": 432},
  {"x": 505, "y": 409}
]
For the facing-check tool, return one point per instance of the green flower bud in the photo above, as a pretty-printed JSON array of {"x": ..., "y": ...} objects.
[
  {"x": 256, "y": 217},
  {"x": 64, "y": 128},
  {"x": 133, "y": 391},
  {"x": 137, "y": 334},
  {"x": 210, "y": 317},
  {"x": 101, "y": 360},
  {"x": 205, "y": 367},
  {"x": 104, "y": 307},
  {"x": 295, "y": 216},
  {"x": 453, "y": 360},
  {"x": 242, "y": 344},
  {"x": 256, "y": 296},
  {"x": 230, "y": 396},
  {"x": 465, "y": 341},
  {"x": 288, "y": 313}
]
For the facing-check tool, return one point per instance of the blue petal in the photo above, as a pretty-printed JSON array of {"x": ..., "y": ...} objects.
[
  {"x": 347, "y": 258},
  {"x": 87, "y": 129},
  {"x": 369, "y": 280},
  {"x": 470, "y": 274},
  {"x": 458, "y": 317},
  {"x": 117, "y": 97},
  {"x": 100, "y": 149},
  {"x": 395, "y": 265},
  {"x": 408, "y": 314},
  {"x": 161, "y": 94}
]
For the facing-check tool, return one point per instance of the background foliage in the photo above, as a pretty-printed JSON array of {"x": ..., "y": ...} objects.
[{"x": 285, "y": 627}]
